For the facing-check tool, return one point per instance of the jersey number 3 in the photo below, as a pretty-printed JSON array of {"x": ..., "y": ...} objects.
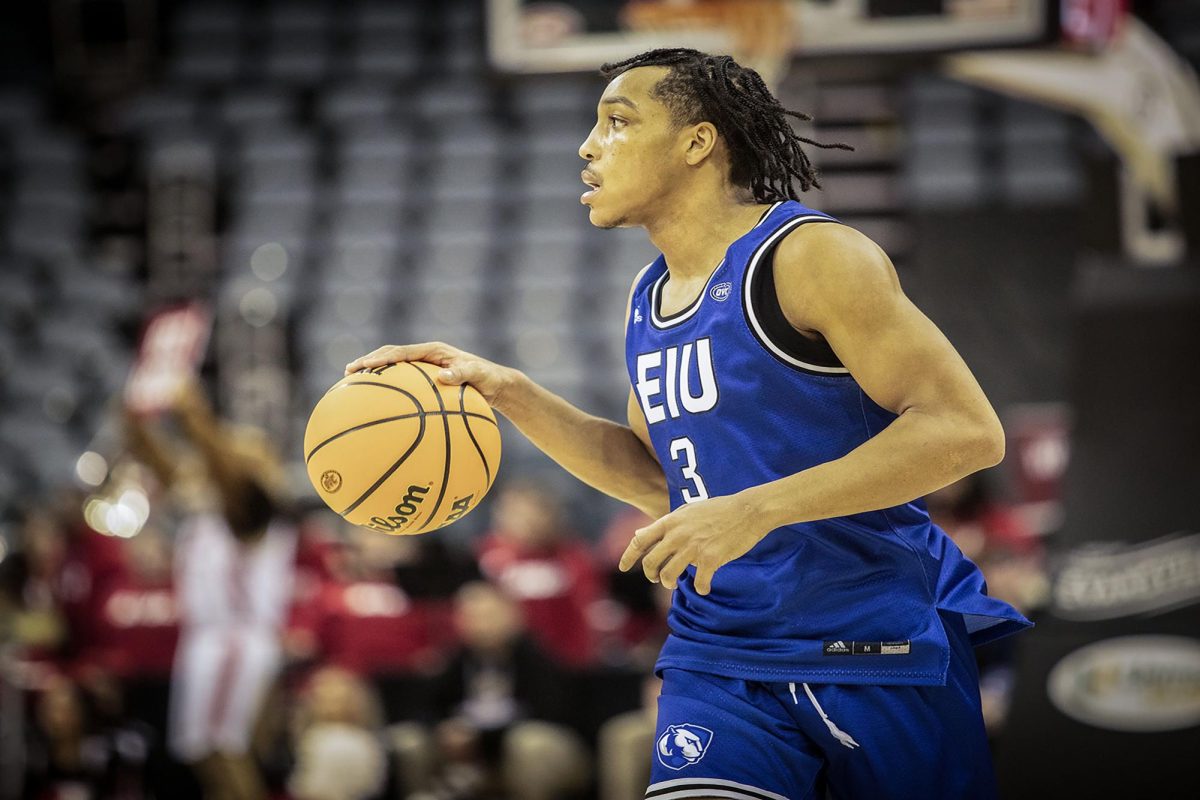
[{"x": 683, "y": 447}]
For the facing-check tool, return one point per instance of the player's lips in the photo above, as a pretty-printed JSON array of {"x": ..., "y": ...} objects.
[{"x": 592, "y": 181}]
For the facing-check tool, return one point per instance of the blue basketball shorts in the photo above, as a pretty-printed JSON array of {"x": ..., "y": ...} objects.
[{"x": 751, "y": 740}]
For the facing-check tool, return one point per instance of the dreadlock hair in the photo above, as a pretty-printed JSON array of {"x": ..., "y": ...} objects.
[{"x": 764, "y": 152}]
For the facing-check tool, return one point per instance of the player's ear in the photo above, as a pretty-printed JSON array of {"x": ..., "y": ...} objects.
[{"x": 701, "y": 140}]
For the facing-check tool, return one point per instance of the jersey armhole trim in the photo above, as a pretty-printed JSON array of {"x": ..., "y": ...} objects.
[
  {"x": 637, "y": 282},
  {"x": 797, "y": 352}
]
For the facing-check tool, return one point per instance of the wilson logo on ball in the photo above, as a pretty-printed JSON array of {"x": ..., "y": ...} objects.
[
  {"x": 331, "y": 481},
  {"x": 406, "y": 509}
]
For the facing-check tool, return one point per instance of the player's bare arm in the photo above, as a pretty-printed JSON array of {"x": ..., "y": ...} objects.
[
  {"x": 834, "y": 282},
  {"x": 606, "y": 455}
]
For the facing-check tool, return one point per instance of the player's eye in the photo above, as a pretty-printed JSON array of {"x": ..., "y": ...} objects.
[{"x": 617, "y": 122}]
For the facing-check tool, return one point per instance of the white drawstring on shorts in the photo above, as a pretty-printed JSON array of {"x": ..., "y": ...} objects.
[{"x": 839, "y": 734}]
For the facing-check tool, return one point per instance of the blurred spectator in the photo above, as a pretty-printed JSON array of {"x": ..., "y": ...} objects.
[
  {"x": 529, "y": 553},
  {"x": 55, "y": 583},
  {"x": 129, "y": 668},
  {"x": 69, "y": 758},
  {"x": 33, "y": 611},
  {"x": 625, "y": 742},
  {"x": 233, "y": 582},
  {"x": 431, "y": 568},
  {"x": 625, "y": 747},
  {"x": 339, "y": 753},
  {"x": 1010, "y": 555},
  {"x": 638, "y": 607},
  {"x": 137, "y": 623},
  {"x": 995, "y": 537},
  {"x": 361, "y": 620},
  {"x": 502, "y": 706},
  {"x": 92, "y": 564},
  {"x": 317, "y": 549}
]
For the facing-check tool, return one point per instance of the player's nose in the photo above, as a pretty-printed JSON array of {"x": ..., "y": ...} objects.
[{"x": 588, "y": 150}]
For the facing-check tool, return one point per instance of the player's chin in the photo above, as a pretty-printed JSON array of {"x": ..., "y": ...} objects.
[{"x": 602, "y": 217}]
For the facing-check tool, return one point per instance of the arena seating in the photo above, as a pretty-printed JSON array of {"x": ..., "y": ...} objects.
[{"x": 416, "y": 195}]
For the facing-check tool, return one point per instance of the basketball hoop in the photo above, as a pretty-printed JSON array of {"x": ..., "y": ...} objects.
[{"x": 759, "y": 33}]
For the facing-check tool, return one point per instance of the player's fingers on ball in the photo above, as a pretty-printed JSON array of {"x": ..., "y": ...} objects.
[
  {"x": 668, "y": 576},
  {"x": 643, "y": 539},
  {"x": 393, "y": 354},
  {"x": 438, "y": 353},
  {"x": 376, "y": 358},
  {"x": 358, "y": 363},
  {"x": 459, "y": 371}
]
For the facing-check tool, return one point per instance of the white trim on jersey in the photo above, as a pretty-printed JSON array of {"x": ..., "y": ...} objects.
[
  {"x": 707, "y": 787},
  {"x": 747, "y": 281},
  {"x": 690, "y": 311},
  {"x": 641, "y": 272},
  {"x": 681, "y": 316},
  {"x": 633, "y": 288}
]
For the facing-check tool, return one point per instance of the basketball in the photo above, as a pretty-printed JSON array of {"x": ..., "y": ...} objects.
[{"x": 395, "y": 451}]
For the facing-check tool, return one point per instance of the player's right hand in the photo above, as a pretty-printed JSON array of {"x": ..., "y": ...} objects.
[{"x": 458, "y": 366}]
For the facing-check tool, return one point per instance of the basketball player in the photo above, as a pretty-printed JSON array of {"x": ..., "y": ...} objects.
[
  {"x": 233, "y": 587},
  {"x": 789, "y": 407}
]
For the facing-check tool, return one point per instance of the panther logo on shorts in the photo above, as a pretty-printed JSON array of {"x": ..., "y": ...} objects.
[{"x": 683, "y": 745}]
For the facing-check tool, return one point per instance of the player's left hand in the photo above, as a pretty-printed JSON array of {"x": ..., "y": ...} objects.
[{"x": 708, "y": 534}]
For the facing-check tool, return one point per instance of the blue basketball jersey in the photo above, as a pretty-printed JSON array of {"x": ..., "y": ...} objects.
[{"x": 851, "y": 599}]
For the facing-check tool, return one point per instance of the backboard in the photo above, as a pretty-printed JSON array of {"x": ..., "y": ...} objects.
[{"x": 569, "y": 35}]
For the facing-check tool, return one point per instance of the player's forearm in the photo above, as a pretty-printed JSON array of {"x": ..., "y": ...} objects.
[
  {"x": 148, "y": 448},
  {"x": 227, "y": 470},
  {"x": 915, "y": 455},
  {"x": 601, "y": 453}
]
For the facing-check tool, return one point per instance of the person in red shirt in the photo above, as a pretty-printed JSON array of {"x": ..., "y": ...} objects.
[
  {"x": 137, "y": 624},
  {"x": 70, "y": 568},
  {"x": 317, "y": 552},
  {"x": 530, "y": 554},
  {"x": 364, "y": 622},
  {"x": 637, "y": 608}
]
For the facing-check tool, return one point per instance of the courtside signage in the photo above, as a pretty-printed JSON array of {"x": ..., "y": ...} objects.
[
  {"x": 1130, "y": 683},
  {"x": 1109, "y": 581}
]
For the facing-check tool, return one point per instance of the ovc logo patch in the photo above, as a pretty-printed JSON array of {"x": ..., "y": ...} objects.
[
  {"x": 721, "y": 291},
  {"x": 683, "y": 745}
]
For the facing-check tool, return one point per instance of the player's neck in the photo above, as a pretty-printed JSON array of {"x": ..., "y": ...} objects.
[{"x": 694, "y": 233}]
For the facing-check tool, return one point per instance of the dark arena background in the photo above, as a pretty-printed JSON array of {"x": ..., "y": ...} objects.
[{"x": 208, "y": 208}]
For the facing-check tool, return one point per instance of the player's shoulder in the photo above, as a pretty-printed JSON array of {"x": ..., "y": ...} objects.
[
  {"x": 827, "y": 239},
  {"x": 830, "y": 252}
]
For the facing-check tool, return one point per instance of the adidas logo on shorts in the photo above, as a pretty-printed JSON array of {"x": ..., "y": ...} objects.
[{"x": 843, "y": 648}]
